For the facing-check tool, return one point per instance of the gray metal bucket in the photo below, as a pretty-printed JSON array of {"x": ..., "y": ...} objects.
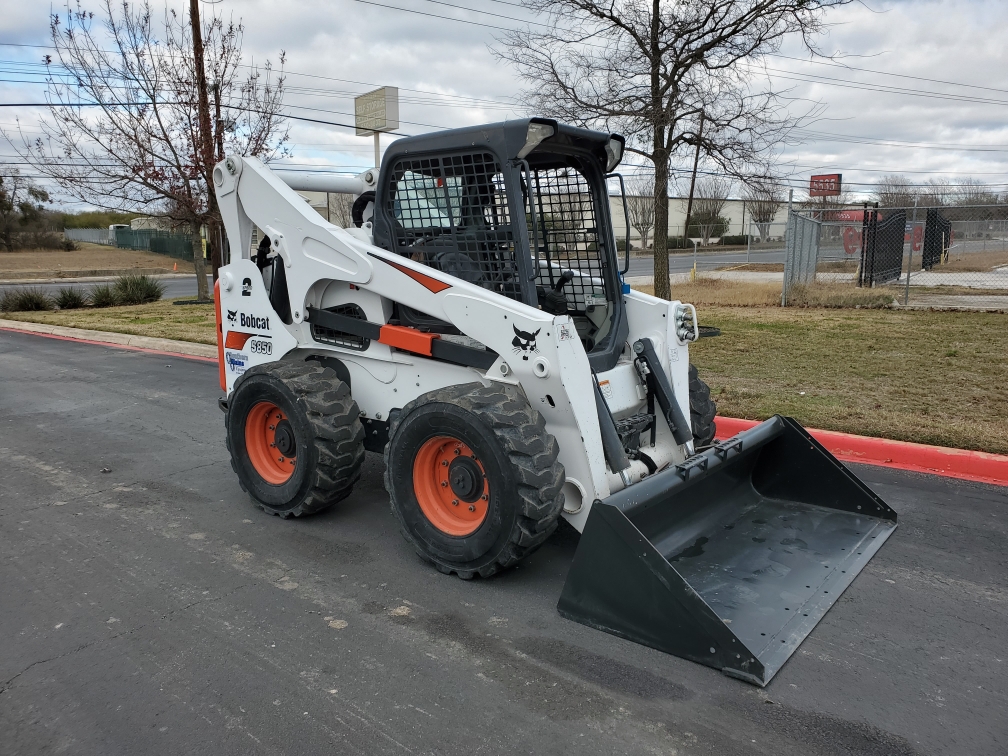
[{"x": 733, "y": 557}]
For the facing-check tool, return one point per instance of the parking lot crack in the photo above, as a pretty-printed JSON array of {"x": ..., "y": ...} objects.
[{"x": 7, "y": 685}]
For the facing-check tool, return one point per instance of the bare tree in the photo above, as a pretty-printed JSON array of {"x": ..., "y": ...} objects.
[
  {"x": 341, "y": 210},
  {"x": 971, "y": 191},
  {"x": 20, "y": 205},
  {"x": 711, "y": 197},
  {"x": 640, "y": 206},
  {"x": 763, "y": 199},
  {"x": 649, "y": 69},
  {"x": 895, "y": 190},
  {"x": 937, "y": 192},
  {"x": 123, "y": 130}
]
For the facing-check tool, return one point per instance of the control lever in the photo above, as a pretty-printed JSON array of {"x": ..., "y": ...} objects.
[{"x": 553, "y": 300}]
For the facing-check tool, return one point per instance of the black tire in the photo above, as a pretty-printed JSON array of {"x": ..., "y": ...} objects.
[
  {"x": 516, "y": 455},
  {"x": 702, "y": 410},
  {"x": 327, "y": 432}
]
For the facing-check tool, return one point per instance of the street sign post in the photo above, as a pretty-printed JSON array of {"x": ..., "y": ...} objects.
[
  {"x": 375, "y": 112},
  {"x": 825, "y": 185}
]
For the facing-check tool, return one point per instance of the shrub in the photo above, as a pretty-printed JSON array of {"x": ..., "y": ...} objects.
[
  {"x": 70, "y": 298},
  {"x": 103, "y": 295},
  {"x": 135, "y": 289},
  {"x": 25, "y": 300}
]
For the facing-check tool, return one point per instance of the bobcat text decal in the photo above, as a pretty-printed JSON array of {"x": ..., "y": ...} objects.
[{"x": 253, "y": 321}]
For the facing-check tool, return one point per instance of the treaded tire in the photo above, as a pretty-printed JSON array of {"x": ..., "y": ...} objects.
[
  {"x": 519, "y": 459},
  {"x": 702, "y": 410},
  {"x": 325, "y": 423}
]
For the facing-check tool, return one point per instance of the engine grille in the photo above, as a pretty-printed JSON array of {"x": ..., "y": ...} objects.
[{"x": 325, "y": 335}]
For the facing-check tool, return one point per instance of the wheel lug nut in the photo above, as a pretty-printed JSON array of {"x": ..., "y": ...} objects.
[
  {"x": 485, "y": 497},
  {"x": 457, "y": 452},
  {"x": 454, "y": 502},
  {"x": 444, "y": 484},
  {"x": 472, "y": 508},
  {"x": 444, "y": 463}
]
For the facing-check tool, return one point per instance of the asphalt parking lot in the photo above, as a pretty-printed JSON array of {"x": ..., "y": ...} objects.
[{"x": 147, "y": 607}]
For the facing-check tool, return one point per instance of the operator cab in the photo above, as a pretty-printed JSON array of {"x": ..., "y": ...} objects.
[{"x": 520, "y": 208}]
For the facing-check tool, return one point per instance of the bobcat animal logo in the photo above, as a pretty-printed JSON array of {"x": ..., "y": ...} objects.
[
  {"x": 232, "y": 316},
  {"x": 524, "y": 342}
]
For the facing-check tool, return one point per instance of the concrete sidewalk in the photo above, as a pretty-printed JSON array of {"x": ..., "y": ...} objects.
[{"x": 185, "y": 348}]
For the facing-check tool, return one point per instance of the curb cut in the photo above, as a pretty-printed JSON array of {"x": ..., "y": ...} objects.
[
  {"x": 188, "y": 349},
  {"x": 947, "y": 462}
]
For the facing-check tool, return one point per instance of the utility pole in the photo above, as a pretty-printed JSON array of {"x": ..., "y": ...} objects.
[
  {"x": 692, "y": 183},
  {"x": 205, "y": 145}
]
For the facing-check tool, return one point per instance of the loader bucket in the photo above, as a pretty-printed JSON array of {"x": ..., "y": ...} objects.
[{"x": 731, "y": 558}]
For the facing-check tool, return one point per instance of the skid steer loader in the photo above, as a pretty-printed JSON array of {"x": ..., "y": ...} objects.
[{"x": 473, "y": 326}]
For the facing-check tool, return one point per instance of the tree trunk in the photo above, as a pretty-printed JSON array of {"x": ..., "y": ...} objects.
[
  {"x": 216, "y": 253},
  {"x": 662, "y": 289},
  {"x": 205, "y": 143},
  {"x": 202, "y": 290}
]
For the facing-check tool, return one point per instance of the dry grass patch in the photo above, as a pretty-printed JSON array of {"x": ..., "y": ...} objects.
[
  {"x": 973, "y": 262},
  {"x": 929, "y": 377},
  {"x": 88, "y": 257},
  {"x": 720, "y": 292},
  {"x": 161, "y": 319}
]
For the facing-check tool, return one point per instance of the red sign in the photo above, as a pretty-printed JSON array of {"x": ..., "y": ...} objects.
[
  {"x": 851, "y": 240},
  {"x": 825, "y": 185},
  {"x": 846, "y": 215}
]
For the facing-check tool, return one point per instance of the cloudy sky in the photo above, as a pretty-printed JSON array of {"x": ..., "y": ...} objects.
[{"x": 916, "y": 87}]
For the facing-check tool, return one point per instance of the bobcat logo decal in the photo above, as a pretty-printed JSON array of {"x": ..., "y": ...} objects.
[
  {"x": 524, "y": 342},
  {"x": 232, "y": 315}
]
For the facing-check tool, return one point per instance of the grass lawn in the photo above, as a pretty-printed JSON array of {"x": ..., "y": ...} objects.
[
  {"x": 162, "y": 319},
  {"x": 930, "y": 377},
  {"x": 50, "y": 262}
]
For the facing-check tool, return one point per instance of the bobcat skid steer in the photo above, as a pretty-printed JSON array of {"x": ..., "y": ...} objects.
[{"x": 473, "y": 326}]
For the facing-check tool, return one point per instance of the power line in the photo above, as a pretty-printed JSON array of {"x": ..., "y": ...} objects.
[
  {"x": 882, "y": 88},
  {"x": 888, "y": 73}
]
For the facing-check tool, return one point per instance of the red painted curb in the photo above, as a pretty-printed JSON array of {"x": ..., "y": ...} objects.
[
  {"x": 115, "y": 346},
  {"x": 901, "y": 455}
]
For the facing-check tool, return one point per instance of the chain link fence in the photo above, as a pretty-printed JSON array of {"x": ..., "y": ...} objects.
[{"x": 918, "y": 257}]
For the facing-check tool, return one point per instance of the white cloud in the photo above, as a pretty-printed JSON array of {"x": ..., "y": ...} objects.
[{"x": 360, "y": 46}]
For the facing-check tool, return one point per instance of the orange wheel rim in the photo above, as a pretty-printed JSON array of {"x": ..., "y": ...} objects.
[
  {"x": 269, "y": 441},
  {"x": 451, "y": 486}
]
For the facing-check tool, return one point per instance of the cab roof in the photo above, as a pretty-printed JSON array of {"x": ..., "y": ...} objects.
[{"x": 506, "y": 139}]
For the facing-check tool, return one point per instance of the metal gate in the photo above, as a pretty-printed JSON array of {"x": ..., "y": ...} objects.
[
  {"x": 937, "y": 239},
  {"x": 882, "y": 248},
  {"x": 801, "y": 252}
]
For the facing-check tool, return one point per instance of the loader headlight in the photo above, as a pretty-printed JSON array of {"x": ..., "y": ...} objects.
[
  {"x": 537, "y": 132},
  {"x": 685, "y": 319}
]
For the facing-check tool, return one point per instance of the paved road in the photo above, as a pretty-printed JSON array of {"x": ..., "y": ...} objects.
[
  {"x": 680, "y": 263},
  {"x": 152, "y": 609},
  {"x": 175, "y": 285}
]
